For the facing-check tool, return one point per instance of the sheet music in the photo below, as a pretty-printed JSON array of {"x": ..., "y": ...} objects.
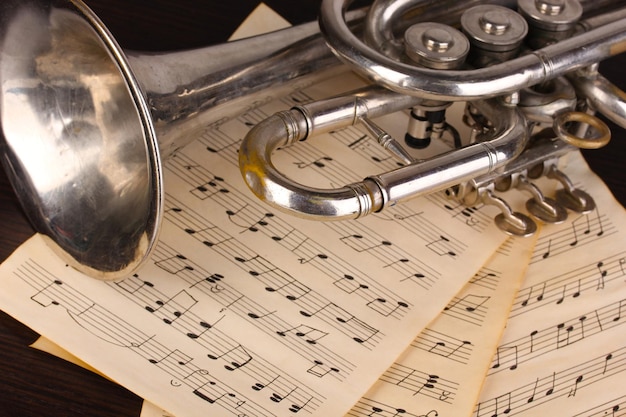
[
  {"x": 564, "y": 349},
  {"x": 243, "y": 310},
  {"x": 443, "y": 368},
  {"x": 441, "y": 373}
]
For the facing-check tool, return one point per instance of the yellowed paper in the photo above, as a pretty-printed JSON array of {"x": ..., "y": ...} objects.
[
  {"x": 442, "y": 371},
  {"x": 564, "y": 349},
  {"x": 246, "y": 311},
  {"x": 262, "y": 20}
]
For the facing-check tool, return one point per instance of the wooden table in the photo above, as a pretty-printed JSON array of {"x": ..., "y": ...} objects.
[{"x": 36, "y": 383}]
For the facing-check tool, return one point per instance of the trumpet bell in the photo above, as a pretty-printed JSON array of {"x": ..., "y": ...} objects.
[
  {"x": 79, "y": 144},
  {"x": 85, "y": 124}
]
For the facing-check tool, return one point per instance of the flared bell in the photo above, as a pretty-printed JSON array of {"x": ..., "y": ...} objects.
[
  {"x": 80, "y": 118},
  {"x": 78, "y": 140}
]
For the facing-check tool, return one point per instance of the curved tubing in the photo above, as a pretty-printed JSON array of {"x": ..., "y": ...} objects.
[
  {"x": 375, "y": 192},
  {"x": 603, "y": 96},
  {"x": 539, "y": 66},
  {"x": 288, "y": 127}
]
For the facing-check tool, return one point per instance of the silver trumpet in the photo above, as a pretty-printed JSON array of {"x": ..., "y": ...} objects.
[{"x": 85, "y": 124}]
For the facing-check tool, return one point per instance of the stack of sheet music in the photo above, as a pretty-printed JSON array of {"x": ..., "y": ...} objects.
[{"x": 425, "y": 310}]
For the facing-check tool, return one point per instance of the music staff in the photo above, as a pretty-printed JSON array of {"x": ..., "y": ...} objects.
[
  {"x": 421, "y": 383},
  {"x": 231, "y": 300},
  {"x": 571, "y": 285},
  {"x": 178, "y": 365},
  {"x": 560, "y": 335},
  {"x": 334, "y": 268},
  {"x": 367, "y": 407},
  {"x": 585, "y": 229},
  {"x": 360, "y": 239},
  {"x": 558, "y": 384},
  {"x": 470, "y": 308}
]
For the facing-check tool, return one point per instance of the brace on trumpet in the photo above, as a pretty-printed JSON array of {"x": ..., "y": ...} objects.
[{"x": 86, "y": 125}]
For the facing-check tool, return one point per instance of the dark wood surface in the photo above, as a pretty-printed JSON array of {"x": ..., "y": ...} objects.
[{"x": 33, "y": 383}]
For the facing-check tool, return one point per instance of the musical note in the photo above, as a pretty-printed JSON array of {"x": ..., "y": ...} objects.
[
  {"x": 464, "y": 211},
  {"x": 235, "y": 357},
  {"x": 173, "y": 308},
  {"x": 209, "y": 188},
  {"x": 375, "y": 410},
  {"x": 174, "y": 264},
  {"x": 257, "y": 316},
  {"x": 44, "y": 298},
  {"x": 468, "y": 303},
  {"x": 546, "y": 254},
  {"x": 134, "y": 284},
  {"x": 265, "y": 265},
  {"x": 220, "y": 141},
  {"x": 603, "y": 273},
  {"x": 248, "y": 225},
  {"x": 618, "y": 316},
  {"x": 319, "y": 163},
  {"x": 320, "y": 370},
  {"x": 357, "y": 142},
  {"x": 538, "y": 297},
  {"x": 506, "y": 354},
  {"x": 355, "y": 240},
  {"x": 586, "y": 230},
  {"x": 573, "y": 333},
  {"x": 574, "y": 389},
  {"x": 507, "y": 408},
  {"x": 574, "y": 295},
  {"x": 210, "y": 395},
  {"x": 281, "y": 392},
  {"x": 317, "y": 256},
  {"x": 292, "y": 290},
  {"x": 440, "y": 246},
  {"x": 348, "y": 284},
  {"x": 550, "y": 390},
  {"x": 532, "y": 340},
  {"x": 606, "y": 362},
  {"x": 308, "y": 333},
  {"x": 441, "y": 349},
  {"x": 381, "y": 306},
  {"x": 482, "y": 277},
  {"x": 360, "y": 331},
  {"x": 532, "y": 396},
  {"x": 175, "y": 357},
  {"x": 614, "y": 410},
  {"x": 205, "y": 326}
]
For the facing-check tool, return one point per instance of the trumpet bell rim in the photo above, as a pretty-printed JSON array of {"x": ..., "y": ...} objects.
[{"x": 77, "y": 138}]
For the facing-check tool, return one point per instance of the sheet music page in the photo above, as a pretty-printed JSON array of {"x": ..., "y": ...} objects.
[
  {"x": 564, "y": 349},
  {"x": 442, "y": 371},
  {"x": 458, "y": 344},
  {"x": 243, "y": 310}
]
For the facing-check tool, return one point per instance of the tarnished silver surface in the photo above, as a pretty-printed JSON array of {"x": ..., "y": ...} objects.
[
  {"x": 456, "y": 85},
  {"x": 80, "y": 119},
  {"x": 519, "y": 104}
]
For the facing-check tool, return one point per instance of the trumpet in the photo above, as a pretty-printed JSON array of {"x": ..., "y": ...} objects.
[
  {"x": 86, "y": 125},
  {"x": 530, "y": 79}
]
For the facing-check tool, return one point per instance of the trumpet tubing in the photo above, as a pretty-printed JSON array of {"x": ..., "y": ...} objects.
[
  {"x": 527, "y": 72},
  {"x": 86, "y": 125}
]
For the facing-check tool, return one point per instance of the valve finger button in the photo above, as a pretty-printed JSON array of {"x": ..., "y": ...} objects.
[
  {"x": 576, "y": 200},
  {"x": 435, "y": 45},
  {"x": 516, "y": 224},
  {"x": 547, "y": 210}
]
